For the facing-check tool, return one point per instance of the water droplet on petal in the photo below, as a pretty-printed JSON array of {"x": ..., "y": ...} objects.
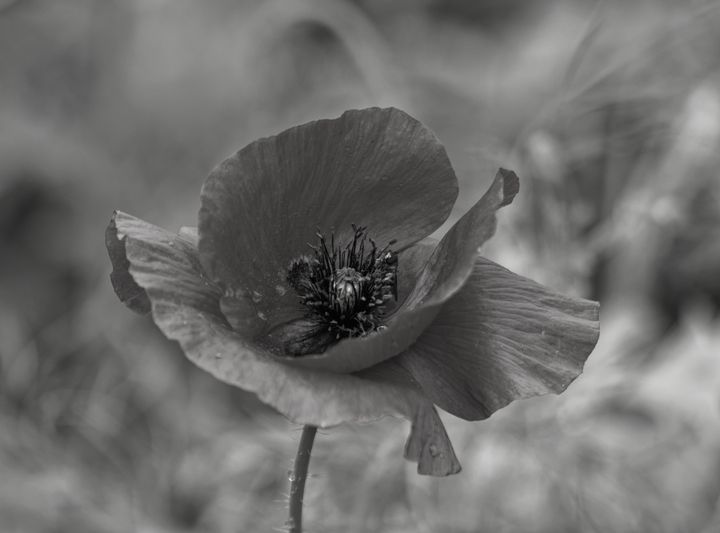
[
  {"x": 256, "y": 297},
  {"x": 434, "y": 451},
  {"x": 218, "y": 355}
]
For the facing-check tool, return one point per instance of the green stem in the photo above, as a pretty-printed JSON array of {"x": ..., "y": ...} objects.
[{"x": 298, "y": 477}]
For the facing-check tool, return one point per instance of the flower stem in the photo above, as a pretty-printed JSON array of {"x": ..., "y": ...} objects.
[{"x": 298, "y": 477}]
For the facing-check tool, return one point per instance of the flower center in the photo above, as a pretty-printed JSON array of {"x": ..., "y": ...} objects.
[{"x": 346, "y": 288}]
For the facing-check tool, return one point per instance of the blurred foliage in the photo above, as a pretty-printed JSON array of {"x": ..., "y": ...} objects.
[{"x": 609, "y": 111}]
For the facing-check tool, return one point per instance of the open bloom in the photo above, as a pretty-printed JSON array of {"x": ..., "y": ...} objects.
[{"x": 311, "y": 281}]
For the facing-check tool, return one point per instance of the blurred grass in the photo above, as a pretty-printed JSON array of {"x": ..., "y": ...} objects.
[{"x": 610, "y": 112}]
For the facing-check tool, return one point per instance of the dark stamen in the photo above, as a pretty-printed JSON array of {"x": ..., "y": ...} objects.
[{"x": 346, "y": 288}]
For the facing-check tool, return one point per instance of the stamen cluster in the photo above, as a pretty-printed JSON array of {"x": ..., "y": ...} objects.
[{"x": 347, "y": 289}]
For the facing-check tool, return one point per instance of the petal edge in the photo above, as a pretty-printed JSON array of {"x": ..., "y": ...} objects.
[{"x": 126, "y": 289}]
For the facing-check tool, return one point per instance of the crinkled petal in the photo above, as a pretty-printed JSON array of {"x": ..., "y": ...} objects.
[
  {"x": 185, "y": 306},
  {"x": 261, "y": 207},
  {"x": 446, "y": 270},
  {"x": 502, "y": 337}
]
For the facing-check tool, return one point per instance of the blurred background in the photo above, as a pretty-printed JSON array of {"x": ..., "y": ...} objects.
[{"x": 608, "y": 110}]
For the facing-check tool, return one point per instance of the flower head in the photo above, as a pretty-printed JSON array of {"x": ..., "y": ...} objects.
[{"x": 311, "y": 281}]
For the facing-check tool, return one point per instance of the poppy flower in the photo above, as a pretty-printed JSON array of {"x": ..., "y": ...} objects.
[{"x": 312, "y": 282}]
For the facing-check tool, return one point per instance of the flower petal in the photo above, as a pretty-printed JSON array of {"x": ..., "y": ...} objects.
[
  {"x": 429, "y": 446},
  {"x": 502, "y": 337},
  {"x": 185, "y": 306},
  {"x": 411, "y": 264},
  {"x": 452, "y": 261},
  {"x": 378, "y": 168},
  {"x": 445, "y": 272},
  {"x": 129, "y": 292},
  {"x": 428, "y": 443}
]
